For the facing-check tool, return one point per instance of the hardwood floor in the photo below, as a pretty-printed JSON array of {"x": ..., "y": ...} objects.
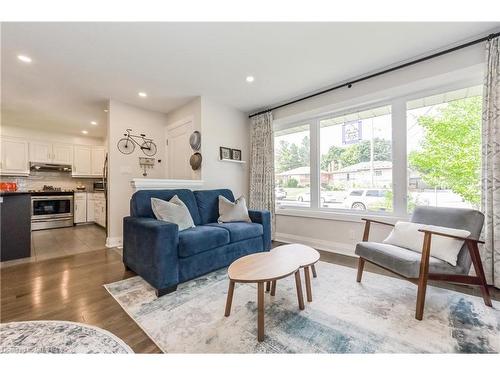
[{"x": 71, "y": 288}]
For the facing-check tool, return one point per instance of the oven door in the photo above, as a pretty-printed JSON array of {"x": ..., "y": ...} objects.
[{"x": 51, "y": 207}]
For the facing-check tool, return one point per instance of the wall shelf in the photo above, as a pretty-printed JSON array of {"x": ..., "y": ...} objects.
[{"x": 233, "y": 161}]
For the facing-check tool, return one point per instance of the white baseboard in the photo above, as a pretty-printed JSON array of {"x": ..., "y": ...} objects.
[
  {"x": 330, "y": 246},
  {"x": 113, "y": 242}
]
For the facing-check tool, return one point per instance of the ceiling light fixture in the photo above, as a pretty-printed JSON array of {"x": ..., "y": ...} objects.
[
  {"x": 24, "y": 58},
  {"x": 106, "y": 110},
  {"x": 85, "y": 132},
  {"x": 93, "y": 122},
  {"x": 250, "y": 79},
  {"x": 142, "y": 94}
]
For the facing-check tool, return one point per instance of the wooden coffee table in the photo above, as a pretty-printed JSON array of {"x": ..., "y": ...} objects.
[
  {"x": 260, "y": 268},
  {"x": 305, "y": 256}
]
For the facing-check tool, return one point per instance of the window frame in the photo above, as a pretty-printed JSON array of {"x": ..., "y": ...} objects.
[{"x": 399, "y": 155}]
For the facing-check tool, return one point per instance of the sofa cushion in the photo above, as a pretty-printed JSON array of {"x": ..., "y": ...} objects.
[
  {"x": 239, "y": 231},
  {"x": 201, "y": 238},
  {"x": 400, "y": 260},
  {"x": 208, "y": 203},
  {"x": 140, "y": 203}
]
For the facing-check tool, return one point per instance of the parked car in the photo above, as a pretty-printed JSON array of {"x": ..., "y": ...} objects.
[
  {"x": 279, "y": 193},
  {"x": 306, "y": 197},
  {"x": 363, "y": 199}
]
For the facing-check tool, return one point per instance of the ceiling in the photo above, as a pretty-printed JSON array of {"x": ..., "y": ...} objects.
[{"x": 77, "y": 67}]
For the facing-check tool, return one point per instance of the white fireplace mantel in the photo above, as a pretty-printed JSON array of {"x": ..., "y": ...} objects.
[{"x": 156, "y": 184}]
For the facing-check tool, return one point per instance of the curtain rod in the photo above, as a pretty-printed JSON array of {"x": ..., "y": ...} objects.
[{"x": 349, "y": 84}]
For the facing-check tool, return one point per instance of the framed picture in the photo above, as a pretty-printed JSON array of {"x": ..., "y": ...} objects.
[
  {"x": 225, "y": 153},
  {"x": 235, "y": 154}
]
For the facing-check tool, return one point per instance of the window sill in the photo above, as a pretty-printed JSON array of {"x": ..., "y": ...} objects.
[{"x": 338, "y": 216}]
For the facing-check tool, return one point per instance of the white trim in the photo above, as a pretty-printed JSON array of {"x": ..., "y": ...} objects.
[
  {"x": 349, "y": 215},
  {"x": 113, "y": 242},
  {"x": 330, "y": 246},
  {"x": 180, "y": 122},
  {"x": 156, "y": 184}
]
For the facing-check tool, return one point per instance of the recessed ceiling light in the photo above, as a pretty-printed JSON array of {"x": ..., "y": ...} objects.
[
  {"x": 24, "y": 58},
  {"x": 106, "y": 110},
  {"x": 250, "y": 79},
  {"x": 142, "y": 94},
  {"x": 93, "y": 122},
  {"x": 85, "y": 132}
]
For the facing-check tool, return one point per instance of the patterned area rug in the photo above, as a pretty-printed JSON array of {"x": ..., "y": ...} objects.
[
  {"x": 375, "y": 316},
  {"x": 58, "y": 337}
]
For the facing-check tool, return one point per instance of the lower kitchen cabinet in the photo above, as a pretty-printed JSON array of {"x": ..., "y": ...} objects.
[
  {"x": 90, "y": 207},
  {"x": 15, "y": 226}
]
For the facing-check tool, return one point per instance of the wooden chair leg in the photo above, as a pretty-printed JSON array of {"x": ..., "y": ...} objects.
[
  {"x": 361, "y": 265},
  {"x": 273, "y": 288},
  {"x": 313, "y": 268},
  {"x": 423, "y": 275},
  {"x": 229, "y": 300},
  {"x": 478, "y": 267}
]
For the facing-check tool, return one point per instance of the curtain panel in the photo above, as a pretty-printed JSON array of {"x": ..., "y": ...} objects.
[
  {"x": 490, "y": 197},
  {"x": 262, "y": 164}
]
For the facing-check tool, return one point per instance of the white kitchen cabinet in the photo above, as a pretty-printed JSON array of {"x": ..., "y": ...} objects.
[
  {"x": 14, "y": 157},
  {"x": 100, "y": 209},
  {"x": 90, "y": 207},
  {"x": 88, "y": 161},
  {"x": 40, "y": 152},
  {"x": 80, "y": 208},
  {"x": 62, "y": 153},
  {"x": 98, "y": 155},
  {"x": 53, "y": 153},
  {"x": 82, "y": 161}
]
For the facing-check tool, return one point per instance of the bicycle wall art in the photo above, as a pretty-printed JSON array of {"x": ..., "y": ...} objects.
[{"x": 127, "y": 144}]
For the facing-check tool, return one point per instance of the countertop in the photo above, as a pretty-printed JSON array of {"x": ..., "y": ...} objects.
[{"x": 8, "y": 193}]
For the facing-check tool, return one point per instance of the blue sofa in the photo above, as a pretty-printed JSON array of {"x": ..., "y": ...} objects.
[{"x": 165, "y": 257}]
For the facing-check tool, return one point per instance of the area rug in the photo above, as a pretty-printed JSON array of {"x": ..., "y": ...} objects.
[
  {"x": 374, "y": 316},
  {"x": 58, "y": 337}
]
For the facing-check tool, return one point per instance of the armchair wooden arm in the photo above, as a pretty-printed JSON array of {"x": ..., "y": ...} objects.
[
  {"x": 366, "y": 233},
  {"x": 467, "y": 239}
]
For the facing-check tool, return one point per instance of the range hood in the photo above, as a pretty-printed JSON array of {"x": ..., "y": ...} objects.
[{"x": 47, "y": 167}]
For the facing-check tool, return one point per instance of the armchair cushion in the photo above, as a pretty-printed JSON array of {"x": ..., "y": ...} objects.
[
  {"x": 201, "y": 238},
  {"x": 239, "y": 231},
  {"x": 402, "y": 261}
]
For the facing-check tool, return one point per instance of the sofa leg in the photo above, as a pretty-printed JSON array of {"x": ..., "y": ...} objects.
[
  {"x": 127, "y": 268},
  {"x": 162, "y": 292}
]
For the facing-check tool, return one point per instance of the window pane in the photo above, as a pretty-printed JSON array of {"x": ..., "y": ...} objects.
[
  {"x": 356, "y": 161},
  {"x": 292, "y": 167},
  {"x": 444, "y": 149}
]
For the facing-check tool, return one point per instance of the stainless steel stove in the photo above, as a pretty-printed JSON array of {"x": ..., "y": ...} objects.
[{"x": 51, "y": 207}]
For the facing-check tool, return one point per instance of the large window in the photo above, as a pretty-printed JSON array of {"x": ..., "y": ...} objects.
[
  {"x": 292, "y": 166},
  {"x": 357, "y": 160},
  {"x": 444, "y": 149}
]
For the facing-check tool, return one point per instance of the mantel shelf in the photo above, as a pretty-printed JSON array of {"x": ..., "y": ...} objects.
[{"x": 233, "y": 161}]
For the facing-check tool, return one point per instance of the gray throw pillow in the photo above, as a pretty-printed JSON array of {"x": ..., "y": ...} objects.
[
  {"x": 173, "y": 211},
  {"x": 229, "y": 211}
]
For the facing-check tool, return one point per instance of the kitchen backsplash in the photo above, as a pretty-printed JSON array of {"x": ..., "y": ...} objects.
[{"x": 37, "y": 179}]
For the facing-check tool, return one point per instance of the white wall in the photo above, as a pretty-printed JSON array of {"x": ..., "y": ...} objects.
[
  {"x": 224, "y": 126},
  {"x": 122, "y": 168},
  {"x": 331, "y": 233},
  {"x": 38, "y": 135}
]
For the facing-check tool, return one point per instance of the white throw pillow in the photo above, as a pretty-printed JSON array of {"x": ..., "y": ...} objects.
[
  {"x": 406, "y": 234},
  {"x": 229, "y": 211},
  {"x": 173, "y": 211}
]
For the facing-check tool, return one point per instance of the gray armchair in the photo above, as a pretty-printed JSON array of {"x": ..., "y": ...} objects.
[{"x": 419, "y": 268}]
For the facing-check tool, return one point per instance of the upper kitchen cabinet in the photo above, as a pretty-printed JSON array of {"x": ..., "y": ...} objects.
[
  {"x": 88, "y": 161},
  {"x": 54, "y": 153},
  {"x": 14, "y": 157}
]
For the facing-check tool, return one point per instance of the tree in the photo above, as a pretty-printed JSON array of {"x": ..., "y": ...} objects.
[
  {"x": 357, "y": 153},
  {"x": 450, "y": 151},
  {"x": 291, "y": 156}
]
